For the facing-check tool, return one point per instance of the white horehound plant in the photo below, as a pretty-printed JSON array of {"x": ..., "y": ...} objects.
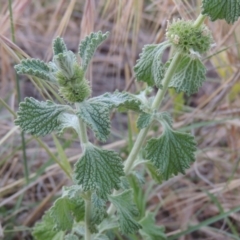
[{"x": 100, "y": 177}]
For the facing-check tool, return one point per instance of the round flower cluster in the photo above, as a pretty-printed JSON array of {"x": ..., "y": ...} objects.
[
  {"x": 186, "y": 37},
  {"x": 74, "y": 88}
]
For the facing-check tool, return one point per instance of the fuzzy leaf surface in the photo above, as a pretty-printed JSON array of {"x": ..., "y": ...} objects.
[
  {"x": 39, "y": 118},
  {"x": 71, "y": 236},
  {"x": 36, "y": 68},
  {"x": 65, "y": 210},
  {"x": 144, "y": 120},
  {"x": 96, "y": 116},
  {"x": 126, "y": 211},
  {"x": 171, "y": 153},
  {"x": 89, "y": 45},
  {"x": 149, "y": 229},
  {"x": 222, "y": 9},
  {"x": 99, "y": 170},
  {"x": 95, "y": 111},
  {"x": 67, "y": 120},
  {"x": 189, "y": 75},
  {"x": 149, "y": 67},
  {"x": 45, "y": 229},
  {"x": 123, "y": 100},
  {"x": 59, "y": 46}
]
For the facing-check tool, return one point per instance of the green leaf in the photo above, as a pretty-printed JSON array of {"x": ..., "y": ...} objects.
[
  {"x": 67, "y": 208},
  {"x": 222, "y": 9},
  {"x": 98, "y": 211},
  {"x": 59, "y": 46},
  {"x": 149, "y": 68},
  {"x": 71, "y": 236},
  {"x": 39, "y": 118},
  {"x": 66, "y": 63},
  {"x": 99, "y": 170},
  {"x": 149, "y": 230},
  {"x": 95, "y": 111},
  {"x": 89, "y": 45},
  {"x": 164, "y": 118},
  {"x": 36, "y": 68},
  {"x": 126, "y": 211},
  {"x": 67, "y": 120},
  {"x": 101, "y": 237},
  {"x": 144, "y": 120},
  {"x": 189, "y": 75},
  {"x": 172, "y": 152},
  {"x": 45, "y": 229},
  {"x": 123, "y": 100},
  {"x": 154, "y": 173},
  {"x": 96, "y": 116}
]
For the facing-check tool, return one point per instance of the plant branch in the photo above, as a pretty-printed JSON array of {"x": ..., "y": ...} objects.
[
  {"x": 84, "y": 140},
  {"x": 87, "y": 216}
]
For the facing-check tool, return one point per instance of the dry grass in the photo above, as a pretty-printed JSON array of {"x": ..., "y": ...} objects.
[{"x": 212, "y": 185}]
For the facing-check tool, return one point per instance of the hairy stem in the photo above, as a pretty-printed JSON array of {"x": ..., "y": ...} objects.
[
  {"x": 87, "y": 216},
  {"x": 156, "y": 104},
  {"x": 84, "y": 139}
]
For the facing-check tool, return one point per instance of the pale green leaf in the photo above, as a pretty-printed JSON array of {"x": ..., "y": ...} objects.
[
  {"x": 149, "y": 68},
  {"x": 45, "y": 229},
  {"x": 98, "y": 211},
  {"x": 99, "y": 170},
  {"x": 96, "y": 116},
  {"x": 36, "y": 68},
  {"x": 71, "y": 236},
  {"x": 66, "y": 63},
  {"x": 222, "y": 9},
  {"x": 164, "y": 118},
  {"x": 61, "y": 155},
  {"x": 89, "y": 45},
  {"x": 126, "y": 211},
  {"x": 149, "y": 230},
  {"x": 67, "y": 120},
  {"x": 154, "y": 173},
  {"x": 39, "y": 118},
  {"x": 189, "y": 75},
  {"x": 59, "y": 46},
  {"x": 172, "y": 152},
  {"x": 65, "y": 210},
  {"x": 144, "y": 120},
  {"x": 95, "y": 111},
  {"x": 100, "y": 237},
  {"x": 123, "y": 100}
]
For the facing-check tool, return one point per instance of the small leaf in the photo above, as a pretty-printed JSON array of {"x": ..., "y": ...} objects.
[
  {"x": 99, "y": 170},
  {"x": 154, "y": 173},
  {"x": 164, "y": 118},
  {"x": 67, "y": 120},
  {"x": 149, "y": 230},
  {"x": 171, "y": 153},
  {"x": 123, "y": 100},
  {"x": 59, "y": 46},
  {"x": 144, "y": 120},
  {"x": 189, "y": 75},
  {"x": 66, "y": 63},
  {"x": 71, "y": 236},
  {"x": 126, "y": 211},
  {"x": 65, "y": 210},
  {"x": 222, "y": 9},
  {"x": 45, "y": 229},
  {"x": 36, "y": 68},
  {"x": 39, "y": 118},
  {"x": 95, "y": 111},
  {"x": 96, "y": 116},
  {"x": 89, "y": 45},
  {"x": 98, "y": 212},
  {"x": 149, "y": 68}
]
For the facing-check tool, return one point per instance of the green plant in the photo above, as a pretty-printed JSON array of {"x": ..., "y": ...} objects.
[{"x": 100, "y": 176}]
